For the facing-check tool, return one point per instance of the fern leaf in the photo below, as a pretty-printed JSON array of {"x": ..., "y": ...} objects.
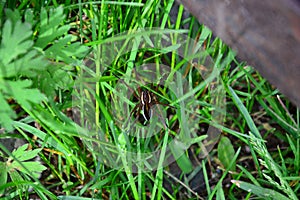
[
  {"x": 23, "y": 94},
  {"x": 6, "y": 114},
  {"x": 14, "y": 40},
  {"x": 51, "y": 28},
  {"x": 22, "y": 164},
  {"x": 27, "y": 65}
]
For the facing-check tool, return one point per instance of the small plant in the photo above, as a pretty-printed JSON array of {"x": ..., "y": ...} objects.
[
  {"x": 57, "y": 67},
  {"x": 21, "y": 169}
]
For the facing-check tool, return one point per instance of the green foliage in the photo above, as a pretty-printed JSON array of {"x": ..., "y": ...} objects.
[
  {"x": 20, "y": 164},
  {"x": 271, "y": 166},
  {"x": 19, "y": 161},
  {"x": 51, "y": 31},
  {"x": 18, "y": 60},
  {"x": 50, "y": 28},
  {"x": 260, "y": 191},
  {"x": 226, "y": 152},
  {"x": 40, "y": 56},
  {"x": 20, "y": 90},
  {"x": 24, "y": 68},
  {"x": 14, "y": 43}
]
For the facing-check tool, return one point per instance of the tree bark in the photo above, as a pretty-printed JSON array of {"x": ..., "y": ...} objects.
[{"x": 264, "y": 33}]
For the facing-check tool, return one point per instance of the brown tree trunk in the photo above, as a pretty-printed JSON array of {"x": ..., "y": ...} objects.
[{"x": 264, "y": 33}]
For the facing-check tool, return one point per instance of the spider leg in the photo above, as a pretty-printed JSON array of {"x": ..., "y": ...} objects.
[
  {"x": 136, "y": 119},
  {"x": 129, "y": 88},
  {"x": 155, "y": 101},
  {"x": 160, "y": 114},
  {"x": 163, "y": 104}
]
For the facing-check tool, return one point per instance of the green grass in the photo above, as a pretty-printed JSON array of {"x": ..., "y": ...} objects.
[{"x": 61, "y": 95}]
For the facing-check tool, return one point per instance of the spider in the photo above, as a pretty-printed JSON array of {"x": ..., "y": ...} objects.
[{"x": 146, "y": 100}]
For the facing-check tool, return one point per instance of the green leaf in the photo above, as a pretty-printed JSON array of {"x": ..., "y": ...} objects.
[
  {"x": 13, "y": 15},
  {"x": 50, "y": 28},
  {"x": 181, "y": 158},
  {"x": 29, "y": 16},
  {"x": 220, "y": 192},
  {"x": 3, "y": 175},
  {"x": 63, "y": 79},
  {"x": 259, "y": 191},
  {"x": 53, "y": 79},
  {"x": 34, "y": 168},
  {"x": 17, "y": 56},
  {"x": 14, "y": 40},
  {"x": 75, "y": 198},
  {"x": 43, "y": 136},
  {"x": 63, "y": 50},
  {"x": 22, "y": 93},
  {"x": 6, "y": 114},
  {"x": 27, "y": 65},
  {"x": 51, "y": 33},
  {"x": 237, "y": 101},
  {"x": 226, "y": 153},
  {"x": 15, "y": 176},
  {"x": 21, "y": 154},
  {"x": 20, "y": 151}
]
